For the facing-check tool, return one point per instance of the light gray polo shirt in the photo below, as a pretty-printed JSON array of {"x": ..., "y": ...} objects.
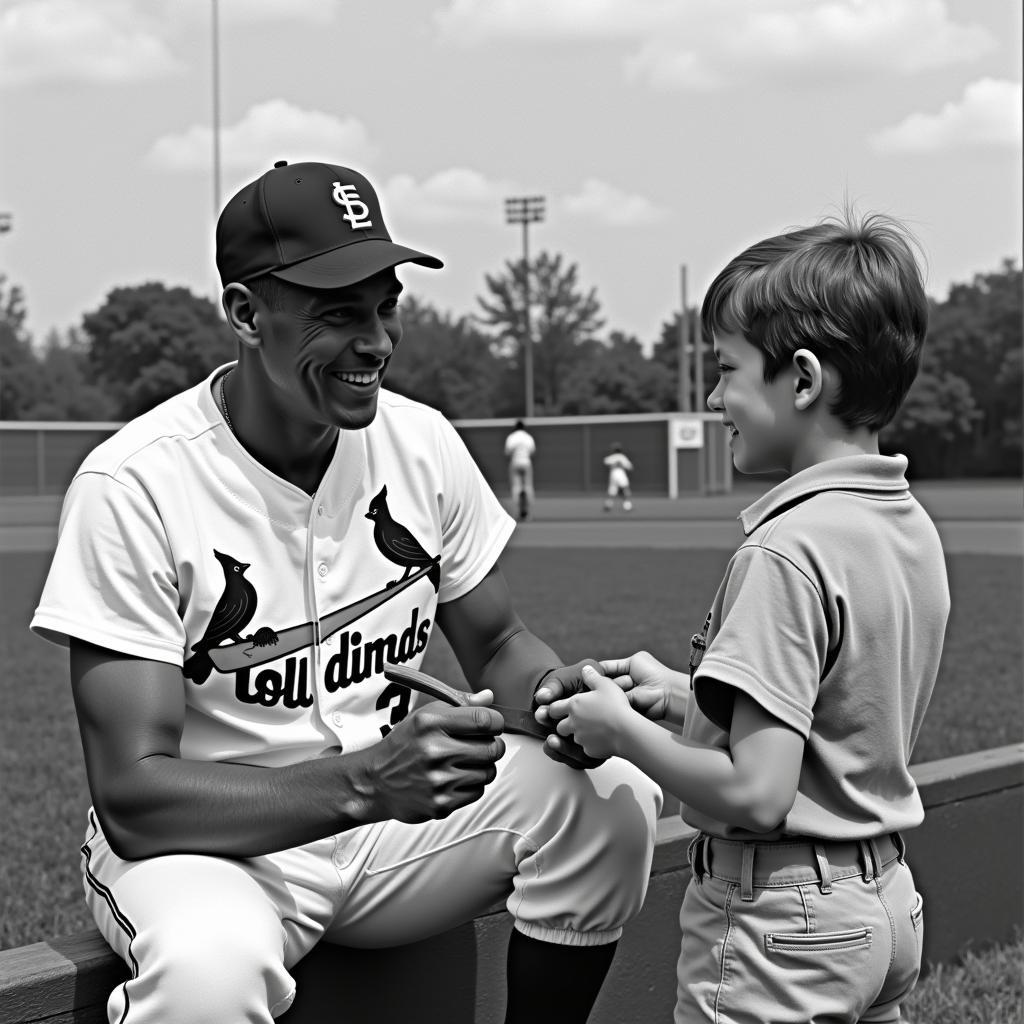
[{"x": 831, "y": 616}]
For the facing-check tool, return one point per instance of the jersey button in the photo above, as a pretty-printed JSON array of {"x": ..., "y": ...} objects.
[
  {"x": 336, "y": 718},
  {"x": 321, "y": 570},
  {"x": 320, "y": 510}
]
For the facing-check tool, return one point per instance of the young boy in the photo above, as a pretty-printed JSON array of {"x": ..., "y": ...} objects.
[
  {"x": 619, "y": 467},
  {"x": 817, "y": 659}
]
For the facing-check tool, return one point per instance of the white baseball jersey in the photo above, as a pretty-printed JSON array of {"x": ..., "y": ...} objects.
[
  {"x": 175, "y": 545},
  {"x": 519, "y": 449},
  {"x": 618, "y": 468}
]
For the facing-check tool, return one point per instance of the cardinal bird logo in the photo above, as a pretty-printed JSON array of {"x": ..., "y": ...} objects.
[
  {"x": 397, "y": 544},
  {"x": 234, "y": 611}
]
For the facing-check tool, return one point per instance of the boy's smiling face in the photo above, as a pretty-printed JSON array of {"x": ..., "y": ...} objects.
[{"x": 761, "y": 417}]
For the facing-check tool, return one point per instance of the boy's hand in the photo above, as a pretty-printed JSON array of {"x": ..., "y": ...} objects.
[
  {"x": 654, "y": 690},
  {"x": 558, "y": 684},
  {"x": 596, "y": 719}
]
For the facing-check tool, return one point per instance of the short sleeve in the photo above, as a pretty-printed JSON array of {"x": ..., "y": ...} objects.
[
  {"x": 112, "y": 580},
  {"x": 474, "y": 526},
  {"x": 769, "y": 640}
]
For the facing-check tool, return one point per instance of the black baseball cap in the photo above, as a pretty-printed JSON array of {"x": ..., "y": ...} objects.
[{"x": 313, "y": 224}]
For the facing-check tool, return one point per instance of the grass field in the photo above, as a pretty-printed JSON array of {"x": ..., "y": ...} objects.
[{"x": 603, "y": 602}]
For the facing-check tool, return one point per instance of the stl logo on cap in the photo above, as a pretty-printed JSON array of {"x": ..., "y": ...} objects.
[{"x": 358, "y": 211}]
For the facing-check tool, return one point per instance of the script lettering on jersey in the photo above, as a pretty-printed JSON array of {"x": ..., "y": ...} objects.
[
  {"x": 357, "y": 659},
  {"x": 270, "y": 687}
]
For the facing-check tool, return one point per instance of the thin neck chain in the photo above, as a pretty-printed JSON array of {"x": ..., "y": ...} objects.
[{"x": 224, "y": 399}]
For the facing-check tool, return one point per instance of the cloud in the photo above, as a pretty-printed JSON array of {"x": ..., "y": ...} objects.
[
  {"x": 101, "y": 42},
  {"x": 275, "y": 130},
  {"x": 458, "y": 195},
  {"x": 246, "y": 12},
  {"x": 713, "y": 44},
  {"x": 605, "y": 204},
  {"x": 470, "y": 21},
  {"x": 988, "y": 115},
  {"x": 463, "y": 196}
]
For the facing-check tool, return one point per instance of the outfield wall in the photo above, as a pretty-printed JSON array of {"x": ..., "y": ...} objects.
[
  {"x": 967, "y": 859},
  {"x": 673, "y": 454}
]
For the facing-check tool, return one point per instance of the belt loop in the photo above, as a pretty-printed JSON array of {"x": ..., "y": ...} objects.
[
  {"x": 901, "y": 847},
  {"x": 693, "y": 855},
  {"x": 747, "y": 873},
  {"x": 876, "y": 855},
  {"x": 824, "y": 871},
  {"x": 867, "y": 860},
  {"x": 706, "y": 854}
]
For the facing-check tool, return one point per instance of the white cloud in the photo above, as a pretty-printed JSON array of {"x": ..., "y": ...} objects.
[
  {"x": 987, "y": 115},
  {"x": 463, "y": 196},
  {"x": 458, "y": 195},
  {"x": 470, "y": 21},
  {"x": 275, "y": 130},
  {"x": 706, "y": 44},
  {"x": 243, "y": 12},
  {"x": 104, "y": 42},
  {"x": 605, "y": 204}
]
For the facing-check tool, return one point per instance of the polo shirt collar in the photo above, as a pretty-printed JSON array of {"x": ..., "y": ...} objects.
[{"x": 876, "y": 474}]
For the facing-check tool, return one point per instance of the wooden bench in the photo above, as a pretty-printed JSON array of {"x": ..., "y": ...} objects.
[{"x": 967, "y": 858}]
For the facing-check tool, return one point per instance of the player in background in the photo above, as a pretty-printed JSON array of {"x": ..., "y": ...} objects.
[
  {"x": 233, "y": 569},
  {"x": 809, "y": 681},
  {"x": 619, "y": 468},
  {"x": 519, "y": 450}
]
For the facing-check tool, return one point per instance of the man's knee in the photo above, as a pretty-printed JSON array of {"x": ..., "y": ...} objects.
[
  {"x": 607, "y": 814},
  {"x": 228, "y": 966}
]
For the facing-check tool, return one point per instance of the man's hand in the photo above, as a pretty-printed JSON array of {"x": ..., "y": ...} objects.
[
  {"x": 438, "y": 759},
  {"x": 655, "y": 690},
  {"x": 558, "y": 684},
  {"x": 595, "y": 720}
]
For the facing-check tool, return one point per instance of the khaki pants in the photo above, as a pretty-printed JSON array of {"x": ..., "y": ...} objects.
[{"x": 826, "y": 933}]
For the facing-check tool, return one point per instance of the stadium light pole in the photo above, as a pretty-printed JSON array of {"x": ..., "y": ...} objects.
[
  {"x": 215, "y": 76},
  {"x": 684, "y": 347},
  {"x": 526, "y": 210},
  {"x": 6, "y": 223}
]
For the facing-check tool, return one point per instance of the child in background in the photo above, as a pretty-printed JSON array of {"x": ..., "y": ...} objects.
[
  {"x": 619, "y": 468},
  {"x": 809, "y": 681}
]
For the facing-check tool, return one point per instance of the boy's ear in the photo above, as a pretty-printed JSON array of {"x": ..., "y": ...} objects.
[
  {"x": 809, "y": 378},
  {"x": 241, "y": 309}
]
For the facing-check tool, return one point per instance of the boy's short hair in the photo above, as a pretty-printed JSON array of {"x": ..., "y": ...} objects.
[{"x": 847, "y": 289}]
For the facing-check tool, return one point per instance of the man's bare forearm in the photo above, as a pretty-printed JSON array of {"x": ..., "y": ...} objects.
[
  {"x": 516, "y": 667},
  {"x": 169, "y": 805}
]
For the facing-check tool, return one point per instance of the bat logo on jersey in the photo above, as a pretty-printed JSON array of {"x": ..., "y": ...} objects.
[
  {"x": 234, "y": 611},
  {"x": 237, "y": 605}
]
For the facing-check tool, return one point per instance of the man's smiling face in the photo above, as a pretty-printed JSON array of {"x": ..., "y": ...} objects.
[{"x": 325, "y": 351}]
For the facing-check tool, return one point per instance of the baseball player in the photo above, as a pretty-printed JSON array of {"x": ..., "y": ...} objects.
[
  {"x": 619, "y": 467},
  {"x": 234, "y": 569},
  {"x": 519, "y": 450}
]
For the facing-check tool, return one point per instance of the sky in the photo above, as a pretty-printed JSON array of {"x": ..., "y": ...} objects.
[{"x": 662, "y": 134}]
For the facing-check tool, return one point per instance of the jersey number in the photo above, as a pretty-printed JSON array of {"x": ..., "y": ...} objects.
[{"x": 399, "y": 709}]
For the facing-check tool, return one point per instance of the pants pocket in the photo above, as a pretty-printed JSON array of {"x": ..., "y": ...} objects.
[
  {"x": 817, "y": 942},
  {"x": 917, "y": 920}
]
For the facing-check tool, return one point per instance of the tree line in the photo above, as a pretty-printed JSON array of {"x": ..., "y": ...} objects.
[{"x": 146, "y": 342}]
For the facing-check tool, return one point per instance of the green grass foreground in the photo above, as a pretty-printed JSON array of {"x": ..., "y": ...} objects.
[
  {"x": 585, "y": 602},
  {"x": 985, "y": 987}
]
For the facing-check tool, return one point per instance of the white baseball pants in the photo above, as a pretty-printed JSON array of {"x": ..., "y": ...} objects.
[{"x": 212, "y": 939}]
